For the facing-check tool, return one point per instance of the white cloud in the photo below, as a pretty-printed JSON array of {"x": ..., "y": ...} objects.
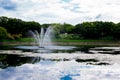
[
  {"x": 48, "y": 70},
  {"x": 73, "y": 11}
]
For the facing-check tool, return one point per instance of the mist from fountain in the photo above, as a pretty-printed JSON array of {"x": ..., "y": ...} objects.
[{"x": 43, "y": 38}]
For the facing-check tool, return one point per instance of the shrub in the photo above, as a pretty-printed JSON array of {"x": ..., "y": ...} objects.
[
  {"x": 70, "y": 36},
  {"x": 107, "y": 38},
  {"x": 14, "y": 36},
  {"x": 3, "y": 33}
]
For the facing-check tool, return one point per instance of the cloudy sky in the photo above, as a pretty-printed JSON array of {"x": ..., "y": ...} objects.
[{"x": 60, "y": 11}]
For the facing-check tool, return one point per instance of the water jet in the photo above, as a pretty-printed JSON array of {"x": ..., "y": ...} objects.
[
  {"x": 43, "y": 38},
  {"x": 44, "y": 42}
]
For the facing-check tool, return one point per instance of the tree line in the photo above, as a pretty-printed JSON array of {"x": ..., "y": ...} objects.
[{"x": 17, "y": 28}]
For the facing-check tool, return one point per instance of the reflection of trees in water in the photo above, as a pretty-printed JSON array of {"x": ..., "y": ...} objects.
[{"x": 7, "y": 60}]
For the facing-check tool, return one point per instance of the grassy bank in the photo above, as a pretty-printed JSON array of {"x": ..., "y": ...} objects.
[
  {"x": 83, "y": 40},
  {"x": 18, "y": 40},
  {"x": 57, "y": 40},
  {"x": 30, "y": 41}
]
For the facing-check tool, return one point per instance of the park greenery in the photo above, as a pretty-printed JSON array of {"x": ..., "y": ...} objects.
[
  {"x": 3, "y": 33},
  {"x": 15, "y": 29}
]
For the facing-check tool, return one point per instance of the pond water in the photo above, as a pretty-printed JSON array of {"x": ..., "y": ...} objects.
[{"x": 78, "y": 63}]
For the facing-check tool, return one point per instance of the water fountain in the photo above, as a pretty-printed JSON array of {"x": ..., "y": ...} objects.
[{"x": 44, "y": 41}]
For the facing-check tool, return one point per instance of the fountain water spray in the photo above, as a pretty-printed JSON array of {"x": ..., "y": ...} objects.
[
  {"x": 44, "y": 42},
  {"x": 44, "y": 38}
]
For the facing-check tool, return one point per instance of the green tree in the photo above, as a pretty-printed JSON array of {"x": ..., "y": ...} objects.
[
  {"x": 3, "y": 33},
  {"x": 87, "y": 30},
  {"x": 17, "y": 26},
  {"x": 57, "y": 29},
  {"x": 3, "y": 21},
  {"x": 67, "y": 28},
  {"x": 95, "y": 30},
  {"x": 45, "y": 25},
  {"x": 116, "y": 31}
]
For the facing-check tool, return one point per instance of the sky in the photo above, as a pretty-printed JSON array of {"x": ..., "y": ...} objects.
[
  {"x": 61, "y": 70},
  {"x": 61, "y": 11}
]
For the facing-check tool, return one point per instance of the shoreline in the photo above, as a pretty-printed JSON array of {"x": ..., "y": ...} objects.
[{"x": 66, "y": 43}]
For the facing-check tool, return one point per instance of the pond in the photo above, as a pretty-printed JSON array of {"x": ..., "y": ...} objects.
[{"x": 71, "y": 63}]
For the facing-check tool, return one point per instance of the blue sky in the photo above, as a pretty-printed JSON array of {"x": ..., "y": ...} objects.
[
  {"x": 7, "y": 5},
  {"x": 60, "y": 11}
]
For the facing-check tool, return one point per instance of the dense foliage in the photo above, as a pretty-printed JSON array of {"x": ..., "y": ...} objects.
[
  {"x": 3, "y": 33},
  {"x": 86, "y": 30},
  {"x": 97, "y": 30},
  {"x": 17, "y": 26}
]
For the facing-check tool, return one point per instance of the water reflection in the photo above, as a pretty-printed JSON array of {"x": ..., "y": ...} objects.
[
  {"x": 91, "y": 49},
  {"x": 66, "y": 78},
  {"x": 8, "y": 60},
  {"x": 14, "y": 67},
  {"x": 63, "y": 70}
]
